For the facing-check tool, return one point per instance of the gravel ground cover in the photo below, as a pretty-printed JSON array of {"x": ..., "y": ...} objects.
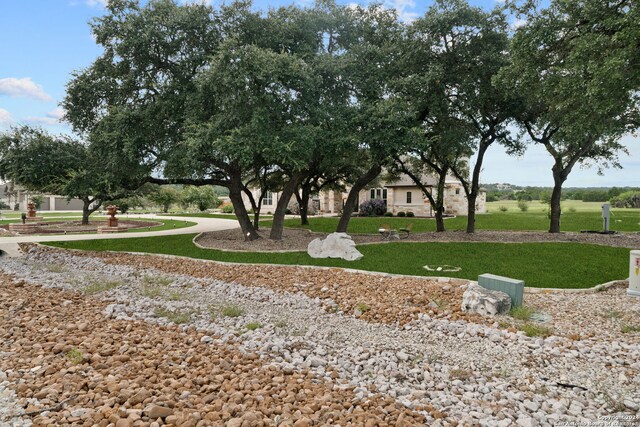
[
  {"x": 449, "y": 370},
  {"x": 298, "y": 239},
  {"x": 121, "y": 373}
]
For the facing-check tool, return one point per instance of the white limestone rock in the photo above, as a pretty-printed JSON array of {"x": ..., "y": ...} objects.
[
  {"x": 335, "y": 245},
  {"x": 477, "y": 299}
]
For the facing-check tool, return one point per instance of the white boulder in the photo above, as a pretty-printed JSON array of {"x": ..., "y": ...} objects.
[
  {"x": 335, "y": 245},
  {"x": 477, "y": 299}
]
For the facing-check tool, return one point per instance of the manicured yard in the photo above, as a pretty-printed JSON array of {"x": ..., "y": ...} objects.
[
  {"x": 166, "y": 224},
  {"x": 559, "y": 265},
  {"x": 627, "y": 220},
  {"x": 210, "y": 215},
  {"x": 536, "y": 205}
]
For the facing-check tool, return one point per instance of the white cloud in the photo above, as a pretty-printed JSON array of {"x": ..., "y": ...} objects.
[
  {"x": 24, "y": 87},
  {"x": 202, "y": 2},
  {"x": 518, "y": 23},
  {"x": 6, "y": 119},
  {"x": 53, "y": 117},
  {"x": 403, "y": 7},
  {"x": 96, "y": 3}
]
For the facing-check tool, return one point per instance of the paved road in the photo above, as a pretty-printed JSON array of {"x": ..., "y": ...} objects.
[{"x": 9, "y": 245}]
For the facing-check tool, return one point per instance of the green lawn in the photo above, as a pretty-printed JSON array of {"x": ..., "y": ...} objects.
[
  {"x": 536, "y": 205},
  {"x": 547, "y": 265},
  {"x": 165, "y": 224},
  {"x": 626, "y": 220},
  {"x": 211, "y": 215}
]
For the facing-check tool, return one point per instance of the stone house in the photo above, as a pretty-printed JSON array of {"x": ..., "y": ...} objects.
[{"x": 400, "y": 195}]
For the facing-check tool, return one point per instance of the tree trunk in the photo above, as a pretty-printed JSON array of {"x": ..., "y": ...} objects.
[
  {"x": 352, "y": 198},
  {"x": 235, "y": 195},
  {"x": 440, "y": 202},
  {"x": 86, "y": 211},
  {"x": 303, "y": 202},
  {"x": 472, "y": 194},
  {"x": 277, "y": 225},
  {"x": 554, "y": 204}
]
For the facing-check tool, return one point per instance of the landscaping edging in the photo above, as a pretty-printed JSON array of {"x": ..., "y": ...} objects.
[{"x": 597, "y": 288}]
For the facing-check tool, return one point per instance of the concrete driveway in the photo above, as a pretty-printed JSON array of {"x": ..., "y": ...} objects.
[{"x": 9, "y": 245}]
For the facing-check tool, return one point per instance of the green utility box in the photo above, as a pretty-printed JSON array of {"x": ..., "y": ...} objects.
[{"x": 512, "y": 287}]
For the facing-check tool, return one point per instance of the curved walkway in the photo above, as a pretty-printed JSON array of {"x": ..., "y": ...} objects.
[{"x": 9, "y": 245}]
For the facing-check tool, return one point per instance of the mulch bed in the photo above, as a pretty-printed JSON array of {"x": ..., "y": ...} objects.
[{"x": 297, "y": 239}]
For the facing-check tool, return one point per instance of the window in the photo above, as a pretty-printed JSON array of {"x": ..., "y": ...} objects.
[
  {"x": 408, "y": 197},
  {"x": 457, "y": 191},
  {"x": 268, "y": 198},
  {"x": 378, "y": 193}
]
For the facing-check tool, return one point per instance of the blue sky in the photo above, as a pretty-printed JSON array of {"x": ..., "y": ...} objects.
[{"x": 44, "y": 41}]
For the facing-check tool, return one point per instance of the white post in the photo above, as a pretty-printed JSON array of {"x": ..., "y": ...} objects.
[
  {"x": 605, "y": 217},
  {"x": 634, "y": 274}
]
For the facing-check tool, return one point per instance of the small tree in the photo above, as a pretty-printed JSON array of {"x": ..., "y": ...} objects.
[
  {"x": 164, "y": 197},
  {"x": 202, "y": 198},
  {"x": 60, "y": 165},
  {"x": 576, "y": 65}
]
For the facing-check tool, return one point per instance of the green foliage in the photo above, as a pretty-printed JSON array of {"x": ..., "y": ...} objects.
[
  {"x": 101, "y": 285},
  {"x": 410, "y": 214},
  {"x": 362, "y": 307},
  {"x": 533, "y": 330},
  {"x": 252, "y": 326},
  {"x": 522, "y": 312},
  {"x": 75, "y": 356},
  {"x": 628, "y": 199},
  {"x": 202, "y": 198},
  {"x": 628, "y": 329},
  {"x": 176, "y": 316},
  {"x": 523, "y": 205},
  {"x": 37, "y": 199},
  {"x": 503, "y": 208},
  {"x": 389, "y": 214},
  {"x": 57, "y": 165},
  {"x": 578, "y": 102},
  {"x": 402, "y": 214},
  {"x": 231, "y": 310},
  {"x": 164, "y": 197}
]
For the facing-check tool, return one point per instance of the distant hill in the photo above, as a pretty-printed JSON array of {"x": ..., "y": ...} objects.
[{"x": 506, "y": 191}]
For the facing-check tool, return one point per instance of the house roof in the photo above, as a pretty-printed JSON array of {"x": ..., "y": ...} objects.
[{"x": 405, "y": 181}]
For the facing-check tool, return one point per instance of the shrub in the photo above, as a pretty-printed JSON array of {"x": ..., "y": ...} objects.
[
  {"x": 252, "y": 326},
  {"x": 374, "y": 207},
  {"x": 572, "y": 210},
  {"x": 628, "y": 199},
  {"x": 532, "y": 330},
  {"x": 522, "y": 312},
  {"x": 231, "y": 311},
  {"x": 37, "y": 200},
  {"x": 362, "y": 307},
  {"x": 388, "y": 214},
  {"x": 3, "y": 205},
  {"x": 227, "y": 208},
  {"x": 523, "y": 205},
  {"x": 410, "y": 214},
  {"x": 75, "y": 356},
  {"x": 402, "y": 214},
  {"x": 503, "y": 208}
]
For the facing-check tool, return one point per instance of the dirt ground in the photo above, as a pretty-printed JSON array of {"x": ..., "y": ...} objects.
[{"x": 296, "y": 239}]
